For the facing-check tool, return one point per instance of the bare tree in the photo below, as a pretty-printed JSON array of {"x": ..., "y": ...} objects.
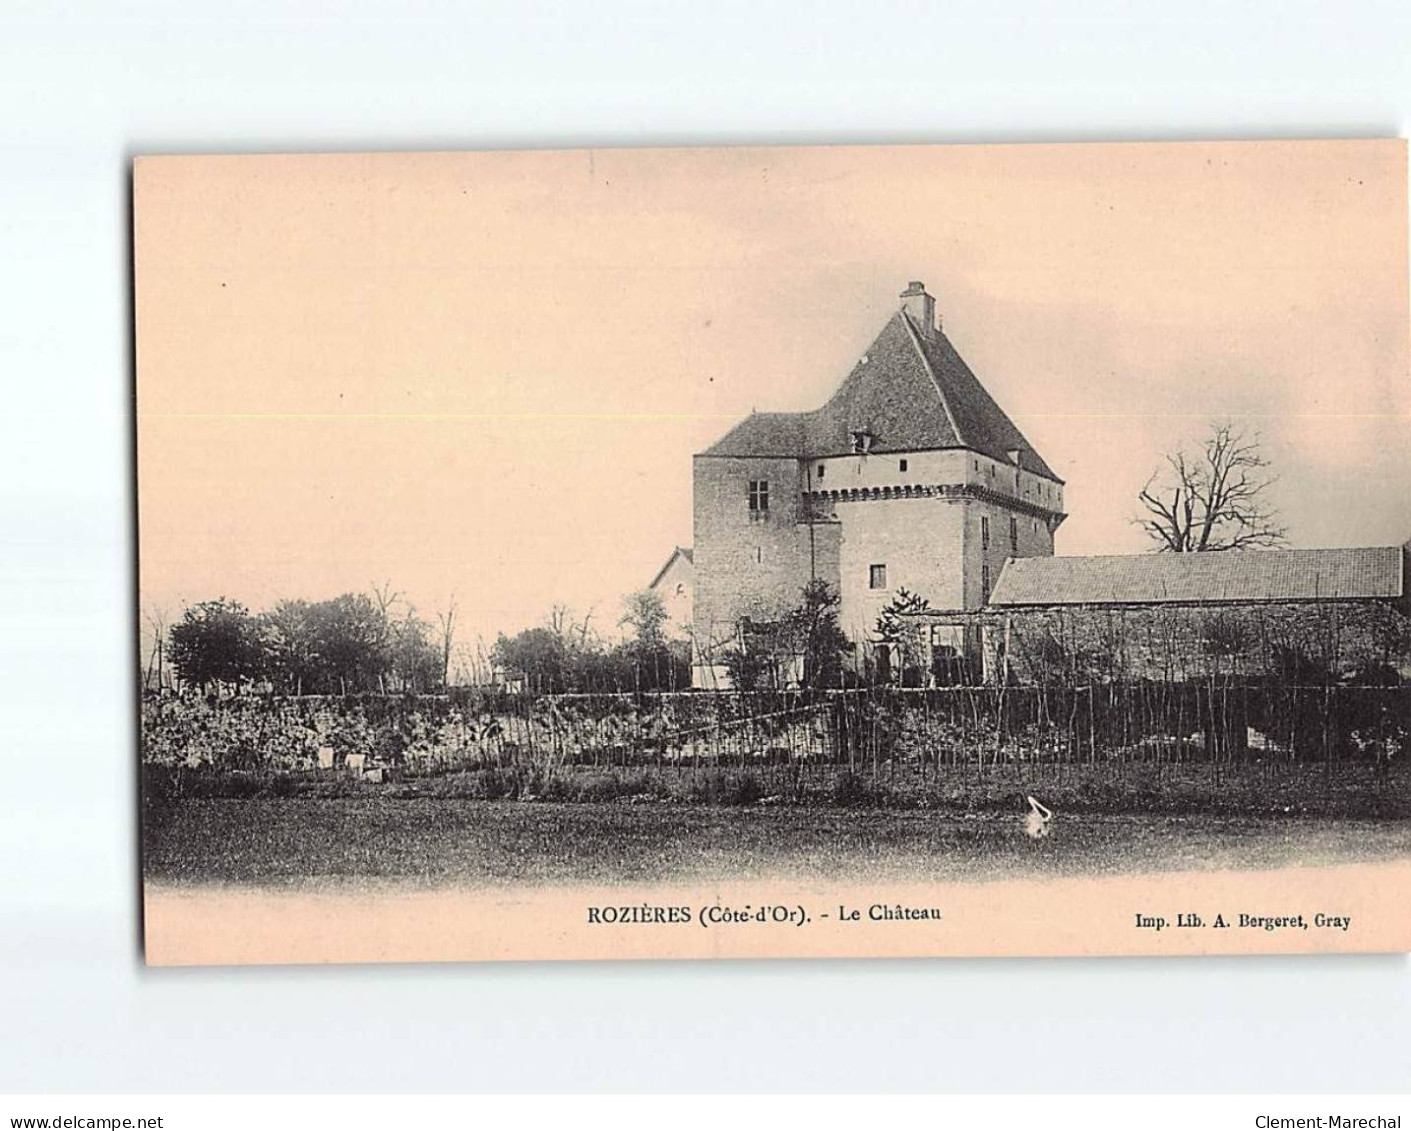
[
  {"x": 448, "y": 634},
  {"x": 1213, "y": 499},
  {"x": 386, "y": 597},
  {"x": 156, "y": 618}
]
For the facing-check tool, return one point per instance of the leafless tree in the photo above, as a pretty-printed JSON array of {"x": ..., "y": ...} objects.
[
  {"x": 1214, "y": 498},
  {"x": 156, "y": 618},
  {"x": 386, "y": 597},
  {"x": 448, "y": 632}
]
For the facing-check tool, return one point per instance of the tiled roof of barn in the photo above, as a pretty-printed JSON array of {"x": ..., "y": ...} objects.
[
  {"x": 1374, "y": 572},
  {"x": 911, "y": 390}
]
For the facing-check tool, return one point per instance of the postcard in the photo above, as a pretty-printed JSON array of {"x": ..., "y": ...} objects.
[{"x": 856, "y": 551}]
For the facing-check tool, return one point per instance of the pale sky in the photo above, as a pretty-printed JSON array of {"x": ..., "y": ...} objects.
[{"x": 485, "y": 374}]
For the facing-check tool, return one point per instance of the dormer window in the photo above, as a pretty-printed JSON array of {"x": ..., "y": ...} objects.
[{"x": 861, "y": 441}]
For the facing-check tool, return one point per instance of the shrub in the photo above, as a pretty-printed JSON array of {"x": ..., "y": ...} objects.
[{"x": 850, "y": 791}]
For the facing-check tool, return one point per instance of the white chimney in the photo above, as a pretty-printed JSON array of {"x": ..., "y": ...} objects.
[{"x": 920, "y": 307}]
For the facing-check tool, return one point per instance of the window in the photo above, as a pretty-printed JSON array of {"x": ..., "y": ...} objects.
[
  {"x": 861, "y": 441},
  {"x": 821, "y": 470},
  {"x": 877, "y": 577},
  {"x": 759, "y": 496},
  {"x": 901, "y": 465},
  {"x": 984, "y": 533},
  {"x": 985, "y": 580},
  {"x": 759, "y": 553},
  {"x": 1013, "y": 537}
]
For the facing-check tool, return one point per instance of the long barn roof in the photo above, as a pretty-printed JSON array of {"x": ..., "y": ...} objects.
[{"x": 1375, "y": 572}]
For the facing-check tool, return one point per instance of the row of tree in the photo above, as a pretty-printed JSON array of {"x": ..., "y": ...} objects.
[
  {"x": 351, "y": 643},
  {"x": 359, "y": 643},
  {"x": 566, "y": 655}
]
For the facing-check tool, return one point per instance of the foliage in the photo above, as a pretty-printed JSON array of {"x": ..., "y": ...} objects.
[
  {"x": 750, "y": 667},
  {"x": 819, "y": 638},
  {"x": 348, "y": 644},
  {"x": 288, "y": 644},
  {"x": 563, "y": 656},
  {"x": 214, "y": 643},
  {"x": 1290, "y": 644},
  {"x": 416, "y": 663},
  {"x": 897, "y": 628},
  {"x": 645, "y": 616},
  {"x": 806, "y": 644},
  {"x": 538, "y": 653}
]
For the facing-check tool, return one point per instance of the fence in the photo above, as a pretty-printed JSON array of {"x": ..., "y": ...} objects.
[{"x": 877, "y": 730}]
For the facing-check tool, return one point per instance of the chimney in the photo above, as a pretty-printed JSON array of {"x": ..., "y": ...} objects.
[{"x": 920, "y": 308}]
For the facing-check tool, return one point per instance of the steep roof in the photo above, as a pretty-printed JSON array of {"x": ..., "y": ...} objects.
[
  {"x": 911, "y": 390},
  {"x": 677, "y": 552},
  {"x": 1374, "y": 572}
]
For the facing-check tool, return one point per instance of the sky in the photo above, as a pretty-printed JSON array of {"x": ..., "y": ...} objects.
[{"x": 482, "y": 376}]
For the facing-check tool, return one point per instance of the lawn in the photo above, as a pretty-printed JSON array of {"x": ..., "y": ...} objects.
[{"x": 374, "y": 840}]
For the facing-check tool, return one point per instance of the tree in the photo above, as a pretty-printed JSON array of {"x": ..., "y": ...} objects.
[
  {"x": 808, "y": 635},
  {"x": 415, "y": 663},
  {"x": 749, "y": 667},
  {"x": 290, "y": 649},
  {"x": 350, "y": 639},
  {"x": 823, "y": 642},
  {"x": 645, "y": 616},
  {"x": 215, "y": 643},
  {"x": 1213, "y": 499},
  {"x": 540, "y": 654},
  {"x": 653, "y": 662},
  {"x": 156, "y": 618},
  {"x": 447, "y": 622},
  {"x": 903, "y": 635}
]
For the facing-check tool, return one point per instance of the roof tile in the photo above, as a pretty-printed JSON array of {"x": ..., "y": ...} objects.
[
  {"x": 1248, "y": 576},
  {"x": 911, "y": 390}
]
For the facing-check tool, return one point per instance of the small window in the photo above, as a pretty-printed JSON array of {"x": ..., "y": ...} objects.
[
  {"x": 877, "y": 577},
  {"x": 901, "y": 465},
  {"x": 1013, "y": 537},
  {"x": 821, "y": 470},
  {"x": 985, "y": 580},
  {"x": 681, "y": 589},
  {"x": 759, "y": 496},
  {"x": 984, "y": 533},
  {"x": 861, "y": 441},
  {"x": 759, "y": 553}
]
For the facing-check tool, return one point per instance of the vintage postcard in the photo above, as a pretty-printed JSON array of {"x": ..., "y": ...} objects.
[{"x": 795, "y": 552}]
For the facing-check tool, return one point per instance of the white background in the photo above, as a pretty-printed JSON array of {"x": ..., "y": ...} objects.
[{"x": 83, "y": 89}]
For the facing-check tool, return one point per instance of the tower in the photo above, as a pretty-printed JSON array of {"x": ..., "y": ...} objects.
[{"x": 910, "y": 476}]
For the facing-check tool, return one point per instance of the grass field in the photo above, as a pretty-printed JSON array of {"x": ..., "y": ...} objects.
[{"x": 376, "y": 839}]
